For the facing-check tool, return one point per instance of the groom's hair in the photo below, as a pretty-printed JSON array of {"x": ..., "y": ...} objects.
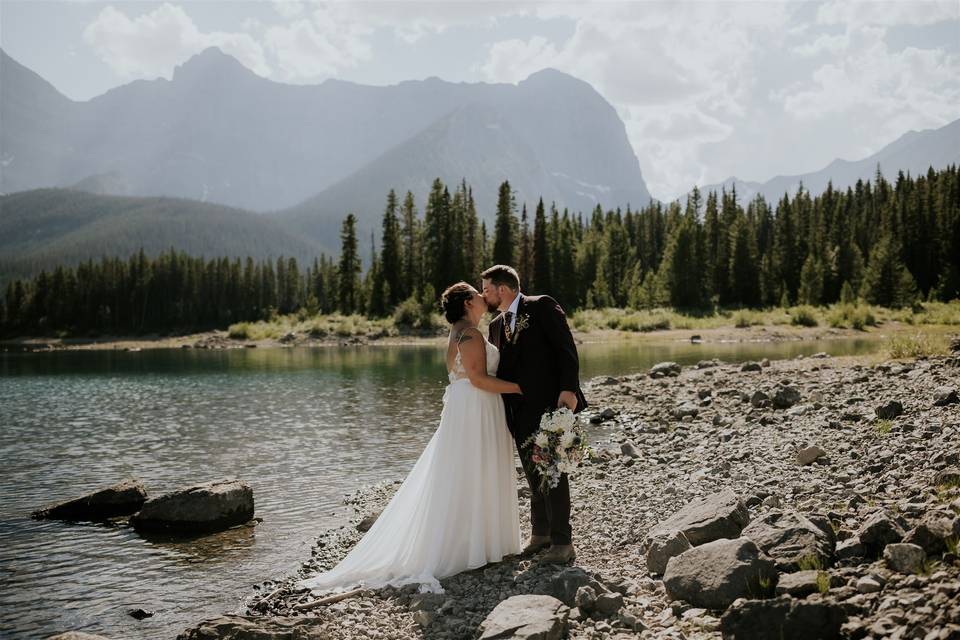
[{"x": 504, "y": 274}]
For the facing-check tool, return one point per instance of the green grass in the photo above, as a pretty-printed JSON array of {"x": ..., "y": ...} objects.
[
  {"x": 917, "y": 346},
  {"x": 852, "y": 315},
  {"x": 823, "y": 582},
  {"x": 883, "y": 427},
  {"x": 952, "y": 543},
  {"x": 806, "y": 563},
  {"x": 318, "y": 326}
]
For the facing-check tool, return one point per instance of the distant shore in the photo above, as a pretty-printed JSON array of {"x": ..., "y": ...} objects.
[{"x": 221, "y": 339}]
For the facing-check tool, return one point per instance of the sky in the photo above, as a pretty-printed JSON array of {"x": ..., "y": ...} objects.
[{"x": 706, "y": 90}]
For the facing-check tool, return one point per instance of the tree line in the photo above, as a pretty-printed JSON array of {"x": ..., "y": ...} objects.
[{"x": 890, "y": 244}]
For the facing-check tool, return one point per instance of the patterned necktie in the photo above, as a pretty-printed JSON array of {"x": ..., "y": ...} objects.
[{"x": 507, "y": 318}]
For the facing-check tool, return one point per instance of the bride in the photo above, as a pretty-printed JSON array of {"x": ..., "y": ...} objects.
[{"x": 457, "y": 509}]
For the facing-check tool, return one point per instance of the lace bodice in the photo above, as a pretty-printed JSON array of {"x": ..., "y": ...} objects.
[{"x": 493, "y": 360}]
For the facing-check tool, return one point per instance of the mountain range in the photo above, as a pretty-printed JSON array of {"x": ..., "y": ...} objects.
[
  {"x": 217, "y": 132},
  {"x": 220, "y": 161},
  {"x": 914, "y": 153}
]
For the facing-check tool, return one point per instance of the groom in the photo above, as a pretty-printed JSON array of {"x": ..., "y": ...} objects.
[{"x": 538, "y": 353}]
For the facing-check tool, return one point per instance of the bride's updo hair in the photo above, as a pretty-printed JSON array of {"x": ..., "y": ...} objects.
[{"x": 453, "y": 299}]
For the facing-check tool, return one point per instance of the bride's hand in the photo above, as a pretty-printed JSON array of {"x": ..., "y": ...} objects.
[{"x": 519, "y": 391}]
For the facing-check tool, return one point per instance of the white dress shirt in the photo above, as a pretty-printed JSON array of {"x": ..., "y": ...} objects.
[{"x": 513, "y": 309}]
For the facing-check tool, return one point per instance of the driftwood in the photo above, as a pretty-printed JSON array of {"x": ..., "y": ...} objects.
[{"x": 303, "y": 606}]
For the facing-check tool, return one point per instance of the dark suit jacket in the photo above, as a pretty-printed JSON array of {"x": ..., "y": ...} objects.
[{"x": 542, "y": 359}]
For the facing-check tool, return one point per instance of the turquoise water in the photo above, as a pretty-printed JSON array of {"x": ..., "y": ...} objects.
[{"x": 302, "y": 426}]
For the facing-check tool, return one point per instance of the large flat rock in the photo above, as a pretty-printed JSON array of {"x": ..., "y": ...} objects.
[
  {"x": 715, "y": 574},
  {"x": 526, "y": 617},
  {"x": 121, "y": 499},
  {"x": 720, "y": 515},
  {"x": 202, "y": 508},
  {"x": 783, "y": 618},
  {"x": 232, "y": 627}
]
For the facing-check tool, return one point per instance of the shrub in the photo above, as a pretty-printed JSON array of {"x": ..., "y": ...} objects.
[
  {"x": 239, "y": 331},
  {"x": 916, "y": 346},
  {"x": 804, "y": 316}
]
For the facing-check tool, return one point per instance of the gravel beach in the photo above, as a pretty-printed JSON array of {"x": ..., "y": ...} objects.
[{"x": 813, "y": 497}]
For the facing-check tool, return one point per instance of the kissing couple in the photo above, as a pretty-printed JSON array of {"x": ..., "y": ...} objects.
[{"x": 458, "y": 509}]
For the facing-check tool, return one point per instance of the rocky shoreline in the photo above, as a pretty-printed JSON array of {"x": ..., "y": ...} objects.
[
  {"x": 835, "y": 477},
  {"x": 217, "y": 340}
]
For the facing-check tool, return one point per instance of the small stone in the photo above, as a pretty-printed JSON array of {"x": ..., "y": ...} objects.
[
  {"x": 904, "y": 557},
  {"x": 759, "y": 399},
  {"x": 662, "y": 369},
  {"x": 868, "y": 584},
  {"x": 686, "y": 409},
  {"x": 799, "y": 584},
  {"x": 629, "y": 450},
  {"x": 366, "y": 523},
  {"x": 944, "y": 396},
  {"x": 751, "y": 366},
  {"x": 948, "y": 476},
  {"x": 809, "y": 454}
]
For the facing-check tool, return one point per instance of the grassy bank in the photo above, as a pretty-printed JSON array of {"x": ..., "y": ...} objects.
[{"x": 840, "y": 316}]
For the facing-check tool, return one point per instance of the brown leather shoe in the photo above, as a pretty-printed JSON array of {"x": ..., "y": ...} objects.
[
  {"x": 559, "y": 554},
  {"x": 535, "y": 545}
]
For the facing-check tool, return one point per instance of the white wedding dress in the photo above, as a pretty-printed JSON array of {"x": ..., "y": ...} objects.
[{"x": 456, "y": 510}]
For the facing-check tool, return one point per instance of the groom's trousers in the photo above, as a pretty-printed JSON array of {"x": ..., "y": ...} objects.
[{"x": 549, "y": 508}]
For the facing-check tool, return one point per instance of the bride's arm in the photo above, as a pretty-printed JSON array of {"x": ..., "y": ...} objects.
[{"x": 473, "y": 355}]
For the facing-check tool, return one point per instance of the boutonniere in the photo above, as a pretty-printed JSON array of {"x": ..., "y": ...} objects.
[{"x": 523, "y": 322}]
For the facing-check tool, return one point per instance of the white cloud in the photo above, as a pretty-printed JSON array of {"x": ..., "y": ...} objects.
[
  {"x": 888, "y": 13},
  {"x": 879, "y": 90},
  {"x": 320, "y": 45},
  {"x": 153, "y": 43},
  {"x": 679, "y": 74}
]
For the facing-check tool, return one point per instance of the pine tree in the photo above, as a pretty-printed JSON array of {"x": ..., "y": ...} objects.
[
  {"x": 412, "y": 257},
  {"x": 391, "y": 255},
  {"x": 505, "y": 227},
  {"x": 541, "y": 252},
  {"x": 525, "y": 263},
  {"x": 348, "y": 273}
]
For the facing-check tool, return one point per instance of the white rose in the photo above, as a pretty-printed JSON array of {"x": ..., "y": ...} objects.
[
  {"x": 542, "y": 440},
  {"x": 566, "y": 440}
]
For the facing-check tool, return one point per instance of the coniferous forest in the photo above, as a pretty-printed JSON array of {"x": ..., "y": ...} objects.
[{"x": 891, "y": 244}]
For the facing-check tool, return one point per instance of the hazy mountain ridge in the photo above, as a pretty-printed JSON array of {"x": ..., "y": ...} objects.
[
  {"x": 46, "y": 227},
  {"x": 218, "y": 132},
  {"x": 914, "y": 153}
]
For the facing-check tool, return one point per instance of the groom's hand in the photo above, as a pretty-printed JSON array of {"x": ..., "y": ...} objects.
[{"x": 567, "y": 399}]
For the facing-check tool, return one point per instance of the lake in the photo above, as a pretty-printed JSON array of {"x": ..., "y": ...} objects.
[{"x": 303, "y": 426}]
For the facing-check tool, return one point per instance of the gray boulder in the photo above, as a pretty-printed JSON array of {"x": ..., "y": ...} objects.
[
  {"x": 663, "y": 545},
  {"x": 851, "y": 549},
  {"x": 948, "y": 476},
  {"x": 785, "y": 397},
  {"x": 526, "y": 617},
  {"x": 783, "y": 618},
  {"x": 663, "y": 369},
  {"x": 203, "y": 508},
  {"x": 719, "y": 515},
  {"x": 889, "y": 410},
  {"x": 715, "y": 574},
  {"x": 904, "y": 557},
  {"x": 879, "y": 530},
  {"x": 790, "y": 539},
  {"x": 932, "y": 532},
  {"x": 234, "y": 627},
  {"x": 565, "y": 584},
  {"x": 121, "y": 499},
  {"x": 944, "y": 396}
]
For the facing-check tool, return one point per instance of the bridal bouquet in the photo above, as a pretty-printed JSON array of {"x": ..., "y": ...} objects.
[{"x": 559, "y": 445}]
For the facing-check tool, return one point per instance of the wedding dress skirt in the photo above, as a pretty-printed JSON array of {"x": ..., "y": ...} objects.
[{"x": 456, "y": 510}]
